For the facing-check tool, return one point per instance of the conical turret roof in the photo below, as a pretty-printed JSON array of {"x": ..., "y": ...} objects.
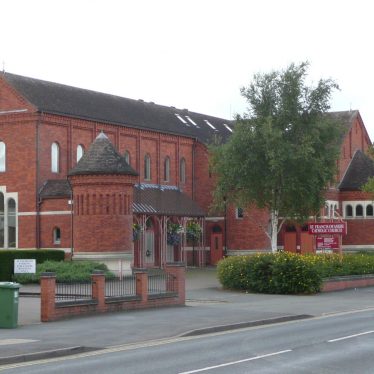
[{"x": 102, "y": 158}]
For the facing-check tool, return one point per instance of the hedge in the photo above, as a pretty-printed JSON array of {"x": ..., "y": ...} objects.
[
  {"x": 280, "y": 273},
  {"x": 289, "y": 273},
  {"x": 7, "y": 258},
  {"x": 66, "y": 271}
]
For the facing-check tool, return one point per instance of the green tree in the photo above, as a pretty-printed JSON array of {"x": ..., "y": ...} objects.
[{"x": 282, "y": 153}]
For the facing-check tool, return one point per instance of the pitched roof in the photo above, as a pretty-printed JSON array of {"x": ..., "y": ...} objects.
[
  {"x": 57, "y": 98},
  {"x": 164, "y": 200},
  {"x": 359, "y": 170},
  {"x": 55, "y": 188},
  {"x": 148, "y": 198},
  {"x": 102, "y": 158}
]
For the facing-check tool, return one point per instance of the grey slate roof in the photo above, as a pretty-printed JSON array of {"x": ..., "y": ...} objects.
[
  {"x": 359, "y": 170},
  {"x": 55, "y": 188},
  {"x": 102, "y": 158},
  {"x": 148, "y": 198},
  {"x": 164, "y": 200},
  {"x": 57, "y": 98}
]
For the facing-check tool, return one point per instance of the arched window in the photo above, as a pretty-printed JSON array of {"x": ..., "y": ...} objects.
[
  {"x": 2, "y": 221},
  {"x": 11, "y": 223},
  {"x": 56, "y": 235},
  {"x": 2, "y": 156},
  {"x": 80, "y": 152},
  {"x": 359, "y": 211},
  {"x": 182, "y": 170},
  {"x": 55, "y": 158},
  {"x": 369, "y": 210},
  {"x": 127, "y": 157},
  {"x": 348, "y": 211},
  {"x": 147, "y": 167},
  {"x": 166, "y": 169}
]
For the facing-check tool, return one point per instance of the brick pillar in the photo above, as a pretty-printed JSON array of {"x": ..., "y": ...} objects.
[
  {"x": 47, "y": 296},
  {"x": 98, "y": 288},
  {"x": 142, "y": 285},
  {"x": 179, "y": 272}
]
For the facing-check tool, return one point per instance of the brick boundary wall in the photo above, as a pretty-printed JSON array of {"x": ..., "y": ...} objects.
[
  {"x": 50, "y": 311},
  {"x": 347, "y": 282}
]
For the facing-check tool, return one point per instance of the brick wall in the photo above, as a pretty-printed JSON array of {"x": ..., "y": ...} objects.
[
  {"x": 102, "y": 212},
  {"x": 50, "y": 311}
]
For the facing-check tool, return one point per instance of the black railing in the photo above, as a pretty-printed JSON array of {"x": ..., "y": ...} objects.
[
  {"x": 73, "y": 291},
  {"x": 121, "y": 287},
  {"x": 161, "y": 283}
]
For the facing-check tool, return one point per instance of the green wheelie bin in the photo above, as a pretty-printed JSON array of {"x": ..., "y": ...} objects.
[{"x": 9, "y": 304}]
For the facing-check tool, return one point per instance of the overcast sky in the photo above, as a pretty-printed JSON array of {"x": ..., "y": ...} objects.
[{"x": 193, "y": 54}]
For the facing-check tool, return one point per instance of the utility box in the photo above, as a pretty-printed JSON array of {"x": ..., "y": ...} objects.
[{"x": 9, "y": 298}]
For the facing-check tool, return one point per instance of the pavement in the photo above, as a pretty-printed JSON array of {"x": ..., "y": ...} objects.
[{"x": 208, "y": 308}]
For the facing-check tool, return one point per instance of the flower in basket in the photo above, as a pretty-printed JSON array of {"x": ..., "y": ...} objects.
[
  {"x": 136, "y": 228},
  {"x": 193, "y": 231},
  {"x": 174, "y": 233}
]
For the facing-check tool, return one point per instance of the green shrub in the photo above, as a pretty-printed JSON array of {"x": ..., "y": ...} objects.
[
  {"x": 7, "y": 258},
  {"x": 293, "y": 274},
  {"x": 69, "y": 271},
  {"x": 280, "y": 273},
  {"x": 232, "y": 272}
]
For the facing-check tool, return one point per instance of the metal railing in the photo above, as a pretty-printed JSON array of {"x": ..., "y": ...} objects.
[
  {"x": 161, "y": 283},
  {"x": 121, "y": 287},
  {"x": 73, "y": 291}
]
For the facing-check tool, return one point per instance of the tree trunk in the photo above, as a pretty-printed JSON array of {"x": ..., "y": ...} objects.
[{"x": 274, "y": 231}]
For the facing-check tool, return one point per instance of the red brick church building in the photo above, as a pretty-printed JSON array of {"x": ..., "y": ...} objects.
[{"x": 105, "y": 177}]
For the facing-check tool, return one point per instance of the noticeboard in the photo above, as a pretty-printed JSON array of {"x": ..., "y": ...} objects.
[
  {"x": 328, "y": 228},
  {"x": 327, "y": 242},
  {"x": 23, "y": 266}
]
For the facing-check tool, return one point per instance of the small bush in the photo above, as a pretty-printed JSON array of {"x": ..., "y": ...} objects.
[
  {"x": 72, "y": 271},
  {"x": 7, "y": 258}
]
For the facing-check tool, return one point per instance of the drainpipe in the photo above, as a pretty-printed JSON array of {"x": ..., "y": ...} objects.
[
  {"x": 38, "y": 202},
  {"x": 225, "y": 226},
  {"x": 71, "y": 223},
  {"x": 193, "y": 168}
]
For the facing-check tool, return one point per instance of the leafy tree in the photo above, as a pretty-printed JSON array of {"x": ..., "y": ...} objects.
[{"x": 283, "y": 152}]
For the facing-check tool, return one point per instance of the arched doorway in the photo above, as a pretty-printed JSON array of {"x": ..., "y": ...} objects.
[{"x": 216, "y": 245}]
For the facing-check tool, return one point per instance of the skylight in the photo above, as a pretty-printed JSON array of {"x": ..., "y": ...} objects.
[
  {"x": 192, "y": 121},
  {"x": 209, "y": 124},
  {"x": 227, "y": 127},
  {"x": 181, "y": 119}
]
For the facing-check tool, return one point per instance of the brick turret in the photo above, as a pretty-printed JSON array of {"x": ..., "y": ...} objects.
[{"x": 102, "y": 183}]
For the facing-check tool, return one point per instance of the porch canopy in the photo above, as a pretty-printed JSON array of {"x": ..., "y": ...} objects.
[
  {"x": 157, "y": 206},
  {"x": 164, "y": 200}
]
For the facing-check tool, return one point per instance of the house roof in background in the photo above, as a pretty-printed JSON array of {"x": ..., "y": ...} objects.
[{"x": 61, "y": 99}]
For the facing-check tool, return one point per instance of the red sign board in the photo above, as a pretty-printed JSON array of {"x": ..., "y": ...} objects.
[
  {"x": 328, "y": 228},
  {"x": 327, "y": 243}
]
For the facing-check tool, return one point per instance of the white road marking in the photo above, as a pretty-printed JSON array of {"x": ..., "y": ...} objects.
[
  {"x": 236, "y": 362},
  {"x": 350, "y": 336},
  {"x": 16, "y": 341}
]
